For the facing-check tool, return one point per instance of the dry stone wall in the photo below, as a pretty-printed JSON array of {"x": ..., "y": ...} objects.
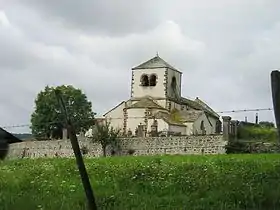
[
  {"x": 211, "y": 144},
  {"x": 53, "y": 148}
]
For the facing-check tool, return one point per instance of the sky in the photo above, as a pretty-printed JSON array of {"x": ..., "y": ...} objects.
[{"x": 225, "y": 49}]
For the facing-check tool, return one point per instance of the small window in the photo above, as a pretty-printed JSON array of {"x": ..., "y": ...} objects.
[
  {"x": 153, "y": 80},
  {"x": 144, "y": 80},
  {"x": 202, "y": 126}
]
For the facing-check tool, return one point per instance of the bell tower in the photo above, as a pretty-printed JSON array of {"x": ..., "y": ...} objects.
[{"x": 155, "y": 78}]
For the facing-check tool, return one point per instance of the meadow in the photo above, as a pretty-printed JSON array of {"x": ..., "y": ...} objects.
[{"x": 217, "y": 182}]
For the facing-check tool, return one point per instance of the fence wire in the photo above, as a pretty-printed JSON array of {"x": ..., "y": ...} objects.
[{"x": 115, "y": 118}]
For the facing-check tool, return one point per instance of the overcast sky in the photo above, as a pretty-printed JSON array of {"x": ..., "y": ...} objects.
[{"x": 225, "y": 49}]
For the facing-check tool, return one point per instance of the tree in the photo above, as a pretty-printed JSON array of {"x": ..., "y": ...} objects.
[
  {"x": 47, "y": 119},
  {"x": 105, "y": 134}
]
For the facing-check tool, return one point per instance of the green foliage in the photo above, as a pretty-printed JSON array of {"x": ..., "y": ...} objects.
[
  {"x": 258, "y": 133},
  {"x": 105, "y": 134},
  {"x": 47, "y": 119},
  {"x": 239, "y": 147},
  {"x": 266, "y": 124},
  {"x": 231, "y": 182}
]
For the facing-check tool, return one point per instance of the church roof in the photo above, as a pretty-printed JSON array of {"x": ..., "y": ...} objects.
[
  {"x": 205, "y": 106},
  {"x": 146, "y": 103},
  {"x": 199, "y": 105},
  {"x": 155, "y": 62},
  {"x": 190, "y": 116},
  {"x": 167, "y": 118}
]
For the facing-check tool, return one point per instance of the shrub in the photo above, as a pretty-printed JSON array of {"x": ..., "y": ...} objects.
[{"x": 258, "y": 133}]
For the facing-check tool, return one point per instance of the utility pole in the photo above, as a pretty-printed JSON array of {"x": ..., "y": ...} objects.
[{"x": 78, "y": 155}]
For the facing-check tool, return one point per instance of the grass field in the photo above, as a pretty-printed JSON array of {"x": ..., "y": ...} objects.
[{"x": 167, "y": 182}]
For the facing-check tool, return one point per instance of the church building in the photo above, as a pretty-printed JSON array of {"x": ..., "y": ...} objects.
[{"x": 156, "y": 104}]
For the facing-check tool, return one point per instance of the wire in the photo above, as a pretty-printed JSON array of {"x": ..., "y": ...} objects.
[
  {"x": 247, "y": 110},
  {"x": 115, "y": 118}
]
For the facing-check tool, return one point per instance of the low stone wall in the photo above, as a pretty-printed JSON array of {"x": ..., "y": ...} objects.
[
  {"x": 213, "y": 144},
  {"x": 53, "y": 148}
]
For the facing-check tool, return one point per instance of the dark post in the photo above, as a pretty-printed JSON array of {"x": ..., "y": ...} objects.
[
  {"x": 275, "y": 89},
  {"x": 78, "y": 155},
  {"x": 257, "y": 118}
]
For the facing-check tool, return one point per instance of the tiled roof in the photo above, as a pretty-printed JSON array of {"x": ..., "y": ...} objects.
[
  {"x": 156, "y": 62},
  {"x": 146, "y": 103}
]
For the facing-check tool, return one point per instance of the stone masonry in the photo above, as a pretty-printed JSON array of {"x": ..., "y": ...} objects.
[{"x": 210, "y": 144}]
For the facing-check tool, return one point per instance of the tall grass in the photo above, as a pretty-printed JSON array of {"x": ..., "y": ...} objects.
[{"x": 229, "y": 182}]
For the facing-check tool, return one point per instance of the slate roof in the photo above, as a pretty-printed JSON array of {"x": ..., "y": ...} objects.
[
  {"x": 155, "y": 62},
  {"x": 8, "y": 137},
  {"x": 190, "y": 116},
  {"x": 146, "y": 103},
  {"x": 206, "y": 107},
  {"x": 199, "y": 105},
  {"x": 166, "y": 117}
]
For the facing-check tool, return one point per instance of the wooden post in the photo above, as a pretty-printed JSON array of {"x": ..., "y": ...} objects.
[
  {"x": 78, "y": 155},
  {"x": 275, "y": 88}
]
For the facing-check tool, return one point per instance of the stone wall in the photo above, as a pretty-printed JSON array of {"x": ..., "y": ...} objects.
[
  {"x": 53, "y": 148},
  {"x": 211, "y": 144}
]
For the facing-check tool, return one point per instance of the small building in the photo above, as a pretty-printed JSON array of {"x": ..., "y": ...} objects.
[
  {"x": 6, "y": 138},
  {"x": 156, "y": 99}
]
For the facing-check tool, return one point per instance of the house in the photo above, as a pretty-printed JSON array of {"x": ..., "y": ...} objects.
[
  {"x": 6, "y": 138},
  {"x": 156, "y": 102}
]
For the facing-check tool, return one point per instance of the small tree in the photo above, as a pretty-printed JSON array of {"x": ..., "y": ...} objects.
[
  {"x": 105, "y": 134},
  {"x": 47, "y": 119}
]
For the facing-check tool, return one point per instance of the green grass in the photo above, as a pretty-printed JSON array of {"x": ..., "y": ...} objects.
[{"x": 217, "y": 182}]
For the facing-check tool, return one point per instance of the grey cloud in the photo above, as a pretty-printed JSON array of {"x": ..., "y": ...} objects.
[
  {"x": 225, "y": 50},
  {"x": 101, "y": 17}
]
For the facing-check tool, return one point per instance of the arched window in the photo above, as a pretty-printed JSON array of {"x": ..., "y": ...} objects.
[
  {"x": 202, "y": 125},
  {"x": 153, "y": 80},
  {"x": 202, "y": 128},
  {"x": 144, "y": 80}
]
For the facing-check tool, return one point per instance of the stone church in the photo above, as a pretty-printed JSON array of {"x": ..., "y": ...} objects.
[{"x": 157, "y": 106}]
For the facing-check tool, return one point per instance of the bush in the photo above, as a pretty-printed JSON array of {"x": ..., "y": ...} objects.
[
  {"x": 241, "y": 147},
  {"x": 231, "y": 182},
  {"x": 258, "y": 133}
]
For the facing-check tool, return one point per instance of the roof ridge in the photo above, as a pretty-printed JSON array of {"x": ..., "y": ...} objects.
[{"x": 161, "y": 64}]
